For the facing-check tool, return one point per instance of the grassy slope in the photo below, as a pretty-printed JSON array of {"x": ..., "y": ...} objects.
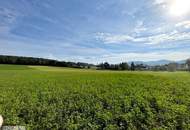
[{"x": 49, "y": 97}]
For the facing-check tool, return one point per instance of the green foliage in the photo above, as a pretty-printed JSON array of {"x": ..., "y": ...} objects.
[
  {"x": 44, "y": 98},
  {"x": 132, "y": 66},
  {"x": 188, "y": 63},
  {"x": 20, "y": 60},
  {"x": 107, "y": 66}
]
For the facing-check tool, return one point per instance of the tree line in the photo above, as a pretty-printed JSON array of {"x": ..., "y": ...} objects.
[
  {"x": 21, "y": 60},
  {"x": 121, "y": 66},
  {"x": 142, "y": 67}
]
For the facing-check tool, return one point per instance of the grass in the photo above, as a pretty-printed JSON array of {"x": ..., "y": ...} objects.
[{"x": 42, "y": 97}]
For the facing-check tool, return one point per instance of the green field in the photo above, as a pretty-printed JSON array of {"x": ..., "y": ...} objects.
[{"x": 62, "y": 98}]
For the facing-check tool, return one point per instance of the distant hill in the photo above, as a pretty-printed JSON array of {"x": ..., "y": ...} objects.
[
  {"x": 158, "y": 62},
  {"x": 21, "y": 60}
]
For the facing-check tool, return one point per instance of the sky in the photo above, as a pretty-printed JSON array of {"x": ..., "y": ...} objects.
[{"x": 96, "y": 31}]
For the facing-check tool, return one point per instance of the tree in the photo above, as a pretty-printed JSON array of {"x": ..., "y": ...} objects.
[
  {"x": 188, "y": 64},
  {"x": 132, "y": 66},
  {"x": 106, "y": 65},
  {"x": 124, "y": 66}
]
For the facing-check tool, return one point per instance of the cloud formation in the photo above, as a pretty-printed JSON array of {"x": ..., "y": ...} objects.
[
  {"x": 185, "y": 24},
  {"x": 174, "y": 36},
  {"x": 7, "y": 16},
  {"x": 124, "y": 57},
  {"x": 93, "y": 31}
]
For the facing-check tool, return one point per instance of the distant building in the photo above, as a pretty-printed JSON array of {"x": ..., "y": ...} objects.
[{"x": 182, "y": 67}]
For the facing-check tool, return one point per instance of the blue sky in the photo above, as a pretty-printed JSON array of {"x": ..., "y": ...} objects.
[{"x": 95, "y": 31}]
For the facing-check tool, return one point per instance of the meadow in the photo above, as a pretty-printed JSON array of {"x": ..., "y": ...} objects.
[{"x": 44, "y": 98}]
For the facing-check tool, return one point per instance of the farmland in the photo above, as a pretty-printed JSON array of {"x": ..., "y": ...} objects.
[{"x": 40, "y": 97}]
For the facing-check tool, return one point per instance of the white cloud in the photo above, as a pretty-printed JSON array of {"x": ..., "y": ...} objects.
[
  {"x": 166, "y": 37},
  {"x": 162, "y": 3},
  {"x": 8, "y": 16},
  {"x": 185, "y": 24},
  {"x": 84, "y": 54},
  {"x": 109, "y": 38},
  {"x": 51, "y": 56},
  {"x": 130, "y": 13},
  {"x": 125, "y": 57},
  {"x": 139, "y": 27},
  {"x": 159, "y": 1},
  {"x": 150, "y": 56},
  {"x": 51, "y": 49},
  {"x": 155, "y": 39}
]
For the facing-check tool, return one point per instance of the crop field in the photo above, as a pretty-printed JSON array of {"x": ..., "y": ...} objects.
[{"x": 43, "y": 98}]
